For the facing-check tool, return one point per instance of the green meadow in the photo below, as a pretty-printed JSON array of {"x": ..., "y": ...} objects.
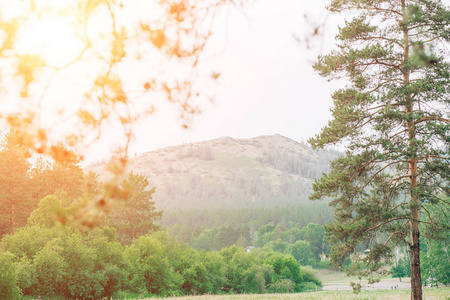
[{"x": 429, "y": 293}]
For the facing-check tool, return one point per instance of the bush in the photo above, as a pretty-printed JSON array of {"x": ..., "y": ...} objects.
[
  {"x": 62, "y": 262},
  {"x": 149, "y": 268},
  {"x": 308, "y": 286},
  {"x": 9, "y": 289},
  {"x": 282, "y": 286},
  {"x": 310, "y": 275},
  {"x": 24, "y": 274},
  {"x": 48, "y": 271},
  {"x": 243, "y": 272}
]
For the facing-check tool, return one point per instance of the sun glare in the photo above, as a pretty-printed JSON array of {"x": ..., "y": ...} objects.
[{"x": 51, "y": 37}]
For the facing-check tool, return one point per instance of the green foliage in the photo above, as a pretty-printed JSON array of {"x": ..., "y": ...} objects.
[
  {"x": 28, "y": 240},
  {"x": 393, "y": 119},
  {"x": 301, "y": 251},
  {"x": 135, "y": 212},
  {"x": 65, "y": 262},
  {"x": 401, "y": 267},
  {"x": 285, "y": 275},
  {"x": 8, "y": 278},
  {"x": 25, "y": 185},
  {"x": 25, "y": 277},
  {"x": 109, "y": 260},
  {"x": 268, "y": 228},
  {"x": 314, "y": 234},
  {"x": 436, "y": 262},
  {"x": 150, "y": 269},
  {"x": 63, "y": 175},
  {"x": 49, "y": 271},
  {"x": 200, "y": 228},
  {"x": 217, "y": 270},
  {"x": 310, "y": 277},
  {"x": 244, "y": 275},
  {"x": 435, "y": 259},
  {"x": 55, "y": 261},
  {"x": 49, "y": 211}
]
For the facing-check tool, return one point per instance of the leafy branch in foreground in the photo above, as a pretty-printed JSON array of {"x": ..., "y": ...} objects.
[
  {"x": 113, "y": 63},
  {"x": 75, "y": 71}
]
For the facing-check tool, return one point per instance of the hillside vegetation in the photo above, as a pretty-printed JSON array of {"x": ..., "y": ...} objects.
[{"x": 229, "y": 173}]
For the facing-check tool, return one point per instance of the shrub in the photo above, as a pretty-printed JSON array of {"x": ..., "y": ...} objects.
[
  {"x": 9, "y": 289},
  {"x": 149, "y": 268}
]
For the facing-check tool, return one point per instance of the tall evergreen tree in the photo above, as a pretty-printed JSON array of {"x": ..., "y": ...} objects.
[
  {"x": 15, "y": 191},
  {"x": 135, "y": 214},
  {"x": 61, "y": 175},
  {"x": 393, "y": 118}
]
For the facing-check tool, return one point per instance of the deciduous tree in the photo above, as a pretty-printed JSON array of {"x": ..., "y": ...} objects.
[{"x": 436, "y": 258}]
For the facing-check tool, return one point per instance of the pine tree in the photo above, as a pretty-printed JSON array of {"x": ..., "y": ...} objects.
[
  {"x": 134, "y": 216},
  {"x": 15, "y": 190},
  {"x": 393, "y": 119}
]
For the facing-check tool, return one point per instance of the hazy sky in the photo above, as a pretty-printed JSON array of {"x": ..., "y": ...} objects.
[{"x": 267, "y": 83}]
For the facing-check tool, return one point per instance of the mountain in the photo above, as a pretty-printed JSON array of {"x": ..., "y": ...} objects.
[
  {"x": 228, "y": 173},
  {"x": 228, "y": 191}
]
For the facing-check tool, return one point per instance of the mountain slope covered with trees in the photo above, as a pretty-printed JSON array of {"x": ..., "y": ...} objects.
[{"x": 266, "y": 171}]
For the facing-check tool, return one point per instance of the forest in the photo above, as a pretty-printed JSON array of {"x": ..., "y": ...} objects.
[
  {"x": 134, "y": 249},
  {"x": 47, "y": 251}
]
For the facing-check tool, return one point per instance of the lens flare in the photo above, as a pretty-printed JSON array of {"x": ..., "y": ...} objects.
[{"x": 51, "y": 37}]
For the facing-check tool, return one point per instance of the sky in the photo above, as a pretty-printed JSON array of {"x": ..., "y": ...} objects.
[
  {"x": 266, "y": 86},
  {"x": 267, "y": 83}
]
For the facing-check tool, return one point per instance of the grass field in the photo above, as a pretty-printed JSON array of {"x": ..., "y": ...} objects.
[
  {"x": 335, "y": 280},
  {"x": 337, "y": 287},
  {"x": 429, "y": 294}
]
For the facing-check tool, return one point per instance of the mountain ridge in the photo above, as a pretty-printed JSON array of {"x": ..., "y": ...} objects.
[{"x": 264, "y": 171}]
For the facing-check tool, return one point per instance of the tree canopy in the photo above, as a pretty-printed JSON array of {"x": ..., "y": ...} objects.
[{"x": 393, "y": 117}]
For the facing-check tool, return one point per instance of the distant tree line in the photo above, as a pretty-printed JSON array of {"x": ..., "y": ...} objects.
[
  {"x": 288, "y": 230},
  {"x": 238, "y": 191},
  {"x": 288, "y": 216},
  {"x": 434, "y": 252}
]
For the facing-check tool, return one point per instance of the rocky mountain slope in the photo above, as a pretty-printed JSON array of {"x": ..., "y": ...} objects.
[{"x": 265, "y": 171}]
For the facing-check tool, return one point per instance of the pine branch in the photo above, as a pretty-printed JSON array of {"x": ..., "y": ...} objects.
[
  {"x": 381, "y": 170},
  {"x": 432, "y": 118},
  {"x": 386, "y": 222},
  {"x": 401, "y": 236},
  {"x": 431, "y": 220}
]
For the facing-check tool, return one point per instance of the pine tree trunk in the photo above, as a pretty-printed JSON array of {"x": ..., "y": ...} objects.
[{"x": 416, "y": 281}]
